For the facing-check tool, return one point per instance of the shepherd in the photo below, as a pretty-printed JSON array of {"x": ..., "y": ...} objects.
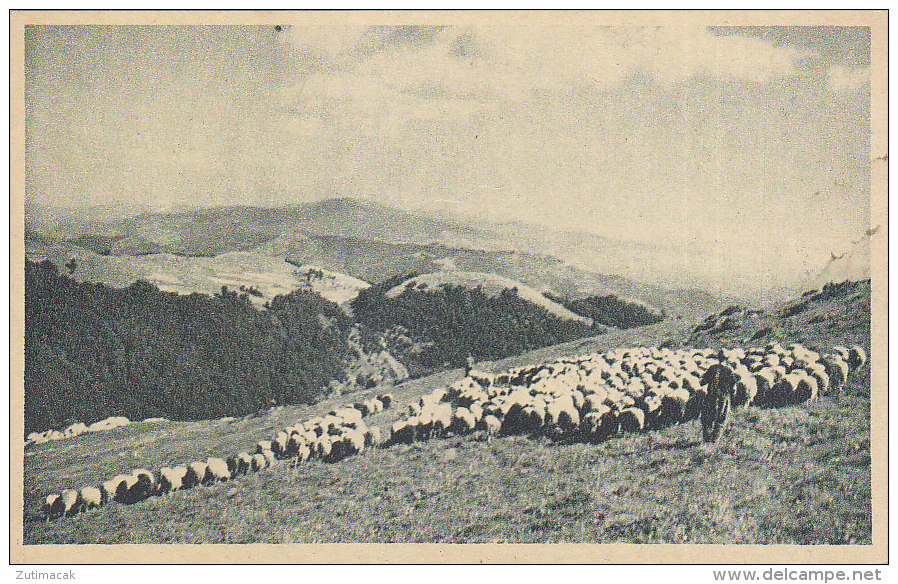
[{"x": 721, "y": 383}]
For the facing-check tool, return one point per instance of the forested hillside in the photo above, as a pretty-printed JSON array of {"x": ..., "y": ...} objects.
[
  {"x": 442, "y": 327},
  {"x": 610, "y": 310},
  {"x": 92, "y": 351}
]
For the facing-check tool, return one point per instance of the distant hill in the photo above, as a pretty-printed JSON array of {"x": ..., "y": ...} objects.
[
  {"x": 263, "y": 275},
  {"x": 491, "y": 284},
  {"x": 373, "y": 242}
]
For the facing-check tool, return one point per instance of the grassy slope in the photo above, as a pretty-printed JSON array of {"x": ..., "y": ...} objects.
[{"x": 792, "y": 475}]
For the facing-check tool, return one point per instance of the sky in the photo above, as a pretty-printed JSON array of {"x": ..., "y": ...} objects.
[{"x": 751, "y": 143}]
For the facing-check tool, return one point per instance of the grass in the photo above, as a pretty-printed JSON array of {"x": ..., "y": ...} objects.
[{"x": 797, "y": 475}]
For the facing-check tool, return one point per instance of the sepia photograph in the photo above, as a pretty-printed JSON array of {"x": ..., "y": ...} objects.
[{"x": 559, "y": 278}]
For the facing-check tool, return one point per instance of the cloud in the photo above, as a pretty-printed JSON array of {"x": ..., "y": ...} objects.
[{"x": 842, "y": 80}]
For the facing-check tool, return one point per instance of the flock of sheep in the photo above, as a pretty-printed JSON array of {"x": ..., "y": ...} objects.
[
  {"x": 596, "y": 396},
  {"x": 330, "y": 438},
  {"x": 80, "y": 428},
  {"x": 588, "y": 398}
]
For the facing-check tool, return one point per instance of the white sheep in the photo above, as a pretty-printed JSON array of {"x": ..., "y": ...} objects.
[
  {"x": 463, "y": 421},
  {"x": 91, "y": 498},
  {"x": 196, "y": 473},
  {"x": 53, "y": 506},
  {"x": 217, "y": 469},
  {"x": 259, "y": 462},
  {"x": 172, "y": 479},
  {"x": 490, "y": 425},
  {"x": 857, "y": 357}
]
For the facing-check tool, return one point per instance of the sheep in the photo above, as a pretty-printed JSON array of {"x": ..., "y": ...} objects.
[
  {"x": 599, "y": 424},
  {"x": 323, "y": 447},
  {"x": 476, "y": 410},
  {"x": 372, "y": 437},
  {"x": 490, "y": 425},
  {"x": 673, "y": 407},
  {"x": 92, "y": 498},
  {"x": 784, "y": 390},
  {"x": 818, "y": 371},
  {"x": 172, "y": 479},
  {"x": 362, "y": 407},
  {"x": 765, "y": 378},
  {"x": 109, "y": 488},
  {"x": 263, "y": 446},
  {"x": 259, "y": 462},
  {"x": 807, "y": 387},
  {"x": 746, "y": 389},
  {"x": 442, "y": 418},
  {"x": 123, "y": 486},
  {"x": 837, "y": 371},
  {"x": 349, "y": 416},
  {"x": 244, "y": 462},
  {"x": 843, "y": 352},
  {"x": 71, "y": 502},
  {"x": 354, "y": 441},
  {"x": 402, "y": 432},
  {"x": 721, "y": 382},
  {"x": 303, "y": 453},
  {"x": 562, "y": 416},
  {"x": 196, "y": 473},
  {"x": 463, "y": 421},
  {"x": 269, "y": 457},
  {"x": 143, "y": 487},
  {"x": 217, "y": 470},
  {"x": 857, "y": 357},
  {"x": 632, "y": 419},
  {"x": 279, "y": 444},
  {"x": 53, "y": 507},
  {"x": 386, "y": 399}
]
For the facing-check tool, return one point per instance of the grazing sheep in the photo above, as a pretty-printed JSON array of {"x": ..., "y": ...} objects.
[
  {"x": 476, "y": 410},
  {"x": 196, "y": 473},
  {"x": 372, "y": 437},
  {"x": 323, "y": 447},
  {"x": 807, "y": 387},
  {"x": 123, "y": 486},
  {"x": 303, "y": 453},
  {"x": 172, "y": 479},
  {"x": 491, "y": 425},
  {"x": 783, "y": 391},
  {"x": 600, "y": 424},
  {"x": 857, "y": 357},
  {"x": 721, "y": 383},
  {"x": 354, "y": 441},
  {"x": 263, "y": 446},
  {"x": 837, "y": 370},
  {"x": 402, "y": 432},
  {"x": 71, "y": 501},
  {"x": 562, "y": 417},
  {"x": 818, "y": 371},
  {"x": 442, "y": 419},
  {"x": 258, "y": 463},
  {"x": 279, "y": 444},
  {"x": 217, "y": 469},
  {"x": 362, "y": 407},
  {"x": 92, "y": 498},
  {"x": 143, "y": 487},
  {"x": 746, "y": 389},
  {"x": 110, "y": 488},
  {"x": 765, "y": 378},
  {"x": 463, "y": 421},
  {"x": 843, "y": 352},
  {"x": 632, "y": 419},
  {"x": 53, "y": 507},
  {"x": 269, "y": 457}
]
